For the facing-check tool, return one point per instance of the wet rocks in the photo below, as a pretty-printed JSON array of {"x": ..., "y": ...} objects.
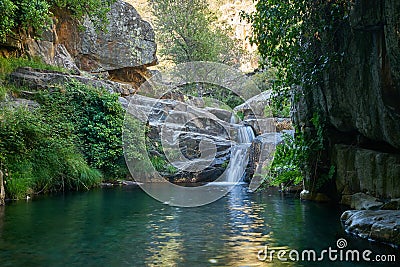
[{"x": 380, "y": 225}]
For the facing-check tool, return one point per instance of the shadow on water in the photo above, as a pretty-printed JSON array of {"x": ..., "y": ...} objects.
[{"x": 125, "y": 227}]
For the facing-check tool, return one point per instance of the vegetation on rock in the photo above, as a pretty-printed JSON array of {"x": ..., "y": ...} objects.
[
  {"x": 33, "y": 16},
  {"x": 70, "y": 141},
  {"x": 292, "y": 36}
]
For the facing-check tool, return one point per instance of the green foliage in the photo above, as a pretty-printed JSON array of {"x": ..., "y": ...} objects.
[
  {"x": 264, "y": 78},
  {"x": 8, "y": 65},
  {"x": 296, "y": 156},
  {"x": 240, "y": 114},
  {"x": 225, "y": 164},
  {"x": 3, "y": 91},
  {"x": 286, "y": 33},
  {"x": 34, "y": 16},
  {"x": 134, "y": 141},
  {"x": 7, "y": 15},
  {"x": 96, "y": 118},
  {"x": 278, "y": 108},
  {"x": 37, "y": 157},
  {"x": 162, "y": 165},
  {"x": 189, "y": 31},
  {"x": 290, "y": 36},
  {"x": 289, "y": 161}
]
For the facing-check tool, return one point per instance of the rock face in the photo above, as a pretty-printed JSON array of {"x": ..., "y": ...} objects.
[
  {"x": 123, "y": 51},
  {"x": 361, "y": 201},
  {"x": 360, "y": 100},
  {"x": 365, "y": 170},
  {"x": 381, "y": 225},
  {"x": 128, "y": 42}
]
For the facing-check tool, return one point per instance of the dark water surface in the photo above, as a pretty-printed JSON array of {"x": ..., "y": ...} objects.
[{"x": 125, "y": 227}]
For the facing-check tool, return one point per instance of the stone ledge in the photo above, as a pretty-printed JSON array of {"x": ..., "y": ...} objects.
[{"x": 381, "y": 225}]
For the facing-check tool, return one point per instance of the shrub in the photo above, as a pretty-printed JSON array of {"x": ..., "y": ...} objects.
[
  {"x": 37, "y": 157},
  {"x": 95, "y": 117},
  {"x": 297, "y": 156},
  {"x": 8, "y": 65}
]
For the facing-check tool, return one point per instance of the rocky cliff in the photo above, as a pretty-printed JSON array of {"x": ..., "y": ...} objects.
[
  {"x": 360, "y": 98},
  {"x": 122, "y": 52}
]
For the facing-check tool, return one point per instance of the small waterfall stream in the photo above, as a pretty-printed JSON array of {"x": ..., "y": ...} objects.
[
  {"x": 238, "y": 163},
  {"x": 239, "y": 156},
  {"x": 245, "y": 135}
]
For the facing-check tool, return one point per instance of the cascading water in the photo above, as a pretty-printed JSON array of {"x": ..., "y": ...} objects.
[
  {"x": 234, "y": 119},
  {"x": 245, "y": 135},
  {"x": 239, "y": 157},
  {"x": 237, "y": 163}
]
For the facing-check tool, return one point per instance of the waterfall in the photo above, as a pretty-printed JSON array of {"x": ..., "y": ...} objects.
[
  {"x": 239, "y": 157},
  {"x": 233, "y": 119},
  {"x": 237, "y": 164},
  {"x": 245, "y": 134}
]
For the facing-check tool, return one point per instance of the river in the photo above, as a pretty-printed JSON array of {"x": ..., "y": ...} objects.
[{"x": 125, "y": 227}]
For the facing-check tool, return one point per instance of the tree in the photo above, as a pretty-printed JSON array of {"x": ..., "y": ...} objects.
[{"x": 188, "y": 31}]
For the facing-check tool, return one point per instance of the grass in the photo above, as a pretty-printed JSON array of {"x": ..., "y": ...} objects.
[{"x": 8, "y": 65}]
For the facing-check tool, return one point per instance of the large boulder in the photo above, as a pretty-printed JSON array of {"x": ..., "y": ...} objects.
[
  {"x": 255, "y": 107},
  {"x": 128, "y": 41},
  {"x": 124, "y": 50},
  {"x": 380, "y": 225}
]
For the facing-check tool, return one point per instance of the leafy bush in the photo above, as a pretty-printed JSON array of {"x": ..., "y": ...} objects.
[
  {"x": 7, "y": 14},
  {"x": 3, "y": 91},
  {"x": 37, "y": 157},
  {"x": 278, "y": 108},
  {"x": 290, "y": 34},
  {"x": 95, "y": 117},
  {"x": 64, "y": 144},
  {"x": 297, "y": 156}
]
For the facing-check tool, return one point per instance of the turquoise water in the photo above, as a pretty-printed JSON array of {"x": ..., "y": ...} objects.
[{"x": 125, "y": 227}]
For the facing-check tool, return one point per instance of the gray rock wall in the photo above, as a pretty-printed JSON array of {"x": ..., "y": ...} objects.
[
  {"x": 368, "y": 171},
  {"x": 360, "y": 98}
]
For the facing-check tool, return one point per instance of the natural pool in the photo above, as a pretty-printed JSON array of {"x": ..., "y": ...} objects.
[{"x": 125, "y": 227}]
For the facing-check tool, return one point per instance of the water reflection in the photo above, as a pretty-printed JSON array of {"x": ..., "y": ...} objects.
[{"x": 125, "y": 227}]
